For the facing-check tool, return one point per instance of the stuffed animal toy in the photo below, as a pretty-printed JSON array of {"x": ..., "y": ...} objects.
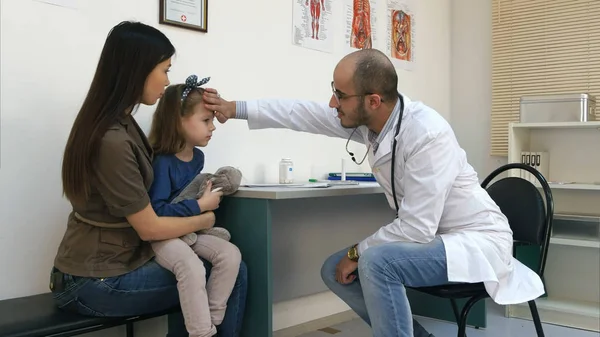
[{"x": 228, "y": 179}]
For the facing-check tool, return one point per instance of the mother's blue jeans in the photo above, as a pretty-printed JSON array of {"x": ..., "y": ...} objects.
[{"x": 148, "y": 289}]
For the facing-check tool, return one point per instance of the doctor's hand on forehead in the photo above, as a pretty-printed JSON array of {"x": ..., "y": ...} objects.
[{"x": 213, "y": 102}]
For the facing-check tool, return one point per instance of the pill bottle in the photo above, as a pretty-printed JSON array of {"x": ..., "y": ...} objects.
[{"x": 286, "y": 171}]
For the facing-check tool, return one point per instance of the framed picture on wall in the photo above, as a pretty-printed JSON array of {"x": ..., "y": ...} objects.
[{"x": 188, "y": 14}]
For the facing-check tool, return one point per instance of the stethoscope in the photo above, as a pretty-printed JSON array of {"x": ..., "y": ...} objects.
[{"x": 393, "y": 150}]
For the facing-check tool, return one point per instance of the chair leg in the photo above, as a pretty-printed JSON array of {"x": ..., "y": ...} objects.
[
  {"x": 462, "y": 326},
  {"x": 455, "y": 309},
  {"x": 129, "y": 327},
  {"x": 536, "y": 318},
  {"x": 456, "y": 312}
]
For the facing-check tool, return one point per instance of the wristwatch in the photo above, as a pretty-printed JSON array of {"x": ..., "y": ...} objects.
[{"x": 353, "y": 253}]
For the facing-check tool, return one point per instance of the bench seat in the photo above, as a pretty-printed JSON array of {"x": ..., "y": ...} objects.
[{"x": 37, "y": 316}]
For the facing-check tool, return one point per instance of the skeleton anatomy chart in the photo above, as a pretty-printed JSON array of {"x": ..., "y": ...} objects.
[
  {"x": 361, "y": 24},
  {"x": 312, "y": 25},
  {"x": 400, "y": 37}
]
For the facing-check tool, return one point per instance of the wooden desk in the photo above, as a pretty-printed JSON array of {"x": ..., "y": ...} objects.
[{"x": 256, "y": 217}]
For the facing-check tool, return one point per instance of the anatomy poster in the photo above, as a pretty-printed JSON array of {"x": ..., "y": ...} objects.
[
  {"x": 361, "y": 23},
  {"x": 312, "y": 25},
  {"x": 400, "y": 35}
]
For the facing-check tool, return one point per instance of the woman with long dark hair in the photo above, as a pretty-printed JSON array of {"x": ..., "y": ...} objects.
[{"x": 105, "y": 265}]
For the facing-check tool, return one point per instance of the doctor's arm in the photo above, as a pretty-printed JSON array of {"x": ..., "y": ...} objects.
[
  {"x": 297, "y": 115},
  {"x": 431, "y": 168}
]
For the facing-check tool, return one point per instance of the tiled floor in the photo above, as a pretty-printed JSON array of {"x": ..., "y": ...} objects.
[{"x": 498, "y": 326}]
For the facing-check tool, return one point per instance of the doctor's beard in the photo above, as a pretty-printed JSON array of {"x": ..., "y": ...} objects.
[{"x": 360, "y": 117}]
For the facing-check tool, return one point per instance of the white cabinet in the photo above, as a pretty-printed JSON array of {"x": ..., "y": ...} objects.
[{"x": 572, "y": 275}]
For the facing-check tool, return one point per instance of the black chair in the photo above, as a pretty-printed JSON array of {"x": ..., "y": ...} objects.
[{"x": 530, "y": 219}]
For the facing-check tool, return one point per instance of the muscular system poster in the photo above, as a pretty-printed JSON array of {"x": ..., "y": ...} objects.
[
  {"x": 312, "y": 25},
  {"x": 400, "y": 37},
  {"x": 361, "y": 23}
]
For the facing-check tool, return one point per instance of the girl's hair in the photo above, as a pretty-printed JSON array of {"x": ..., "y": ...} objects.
[
  {"x": 131, "y": 51},
  {"x": 166, "y": 135}
]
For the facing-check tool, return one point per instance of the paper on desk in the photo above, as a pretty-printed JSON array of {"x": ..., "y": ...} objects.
[
  {"x": 309, "y": 185},
  {"x": 342, "y": 182}
]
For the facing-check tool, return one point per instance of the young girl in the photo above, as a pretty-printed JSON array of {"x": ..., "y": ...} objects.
[{"x": 180, "y": 123}]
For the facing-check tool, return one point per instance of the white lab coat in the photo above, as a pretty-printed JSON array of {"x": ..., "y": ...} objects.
[{"x": 438, "y": 193}]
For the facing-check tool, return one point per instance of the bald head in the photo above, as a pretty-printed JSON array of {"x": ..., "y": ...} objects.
[{"x": 373, "y": 72}]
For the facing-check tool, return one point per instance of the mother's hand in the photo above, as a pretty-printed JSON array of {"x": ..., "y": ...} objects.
[{"x": 213, "y": 102}]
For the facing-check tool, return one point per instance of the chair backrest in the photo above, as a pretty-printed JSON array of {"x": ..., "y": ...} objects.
[{"x": 529, "y": 213}]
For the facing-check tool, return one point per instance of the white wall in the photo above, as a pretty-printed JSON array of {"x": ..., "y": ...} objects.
[
  {"x": 49, "y": 54},
  {"x": 471, "y": 81}
]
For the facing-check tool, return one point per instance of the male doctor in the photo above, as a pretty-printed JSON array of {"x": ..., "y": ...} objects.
[{"x": 447, "y": 229}]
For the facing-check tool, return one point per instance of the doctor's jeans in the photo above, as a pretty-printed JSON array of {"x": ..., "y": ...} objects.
[{"x": 378, "y": 295}]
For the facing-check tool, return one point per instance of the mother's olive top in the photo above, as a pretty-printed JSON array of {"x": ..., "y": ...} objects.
[{"x": 99, "y": 242}]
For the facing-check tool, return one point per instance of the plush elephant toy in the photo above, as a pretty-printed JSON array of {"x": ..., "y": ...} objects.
[{"x": 228, "y": 179}]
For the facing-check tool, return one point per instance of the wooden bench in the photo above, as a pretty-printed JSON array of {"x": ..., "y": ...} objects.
[{"x": 37, "y": 316}]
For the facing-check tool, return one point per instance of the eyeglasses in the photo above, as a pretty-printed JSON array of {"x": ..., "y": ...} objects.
[{"x": 339, "y": 96}]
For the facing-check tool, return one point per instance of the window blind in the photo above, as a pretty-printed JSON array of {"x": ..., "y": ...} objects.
[{"x": 541, "y": 47}]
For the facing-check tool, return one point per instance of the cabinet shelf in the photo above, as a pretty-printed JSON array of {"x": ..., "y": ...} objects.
[
  {"x": 571, "y": 275},
  {"x": 574, "y": 241},
  {"x": 574, "y": 186},
  {"x": 558, "y": 125},
  {"x": 577, "y": 314}
]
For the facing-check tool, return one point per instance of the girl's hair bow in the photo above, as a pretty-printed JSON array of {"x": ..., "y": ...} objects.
[{"x": 192, "y": 83}]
